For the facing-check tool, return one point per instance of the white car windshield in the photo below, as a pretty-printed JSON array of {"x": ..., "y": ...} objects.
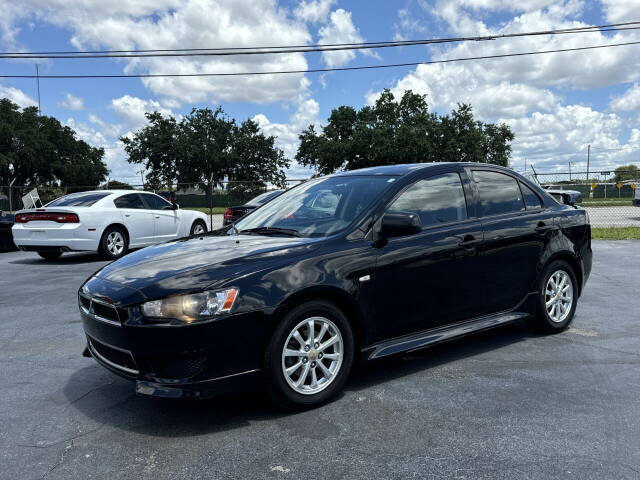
[{"x": 317, "y": 208}]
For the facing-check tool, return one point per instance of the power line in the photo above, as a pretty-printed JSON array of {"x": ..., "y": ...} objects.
[
  {"x": 233, "y": 51},
  {"x": 335, "y": 69}
]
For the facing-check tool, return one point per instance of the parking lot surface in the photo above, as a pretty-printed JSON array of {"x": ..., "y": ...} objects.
[{"x": 502, "y": 404}]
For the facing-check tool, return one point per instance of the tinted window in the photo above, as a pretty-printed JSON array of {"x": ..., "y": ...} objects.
[
  {"x": 436, "y": 200},
  {"x": 78, "y": 199},
  {"x": 531, "y": 199},
  {"x": 499, "y": 193},
  {"x": 156, "y": 203},
  {"x": 131, "y": 200}
]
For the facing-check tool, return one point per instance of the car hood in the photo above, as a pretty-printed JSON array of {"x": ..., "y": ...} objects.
[{"x": 197, "y": 262}]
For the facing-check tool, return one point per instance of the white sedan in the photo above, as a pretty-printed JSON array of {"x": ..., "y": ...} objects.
[{"x": 108, "y": 221}]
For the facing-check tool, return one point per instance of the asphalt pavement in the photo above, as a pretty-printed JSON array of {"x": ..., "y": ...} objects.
[{"x": 502, "y": 404}]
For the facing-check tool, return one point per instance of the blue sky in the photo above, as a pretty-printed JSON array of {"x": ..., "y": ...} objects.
[{"x": 556, "y": 104}]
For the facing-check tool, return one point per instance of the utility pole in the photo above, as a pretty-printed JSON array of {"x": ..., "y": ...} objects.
[
  {"x": 588, "y": 158},
  {"x": 141, "y": 172},
  {"x": 525, "y": 164},
  {"x": 569, "y": 171},
  {"x": 38, "y": 84}
]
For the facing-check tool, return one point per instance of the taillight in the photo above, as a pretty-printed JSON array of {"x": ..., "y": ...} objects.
[
  {"x": 47, "y": 217},
  {"x": 228, "y": 215}
]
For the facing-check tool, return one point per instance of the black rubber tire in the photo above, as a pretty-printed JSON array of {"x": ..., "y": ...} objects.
[
  {"x": 50, "y": 255},
  {"x": 104, "y": 251},
  {"x": 277, "y": 387},
  {"x": 198, "y": 222},
  {"x": 541, "y": 322}
]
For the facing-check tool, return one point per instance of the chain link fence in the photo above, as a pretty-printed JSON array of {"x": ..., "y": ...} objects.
[{"x": 611, "y": 198}]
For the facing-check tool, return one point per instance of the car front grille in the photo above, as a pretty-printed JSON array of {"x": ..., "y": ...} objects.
[
  {"x": 102, "y": 310},
  {"x": 116, "y": 358}
]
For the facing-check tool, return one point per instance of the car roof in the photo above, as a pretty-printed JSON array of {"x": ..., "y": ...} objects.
[
  {"x": 110, "y": 192},
  {"x": 407, "y": 168}
]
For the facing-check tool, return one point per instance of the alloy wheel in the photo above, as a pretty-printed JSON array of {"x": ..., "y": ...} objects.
[
  {"x": 115, "y": 243},
  {"x": 312, "y": 355},
  {"x": 558, "y": 296},
  {"x": 198, "y": 229}
]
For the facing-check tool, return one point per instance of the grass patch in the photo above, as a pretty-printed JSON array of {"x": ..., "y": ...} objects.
[
  {"x": 606, "y": 202},
  {"x": 216, "y": 210},
  {"x": 616, "y": 233}
]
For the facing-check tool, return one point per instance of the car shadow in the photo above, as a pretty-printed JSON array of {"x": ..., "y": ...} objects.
[
  {"x": 110, "y": 400},
  {"x": 65, "y": 259}
]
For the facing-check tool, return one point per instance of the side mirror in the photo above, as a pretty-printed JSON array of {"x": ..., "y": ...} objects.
[
  {"x": 399, "y": 224},
  {"x": 175, "y": 205},
  {"x": 571, "y": 197}
]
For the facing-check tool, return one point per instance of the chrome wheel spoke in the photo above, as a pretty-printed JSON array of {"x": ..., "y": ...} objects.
[
  {"x": 311, "y": 325},
  {"x": 303, "y": 376},
  {"x": 328, "y": 343},
  {"x": 325, "y": 371},
  {"x": 323, "y": 330},
  {"x": 293, "y": 368},
  {"x": 292, "y": 353},
  {"x": 299, "y": 338},
  {"x": 314, "y": 379}
]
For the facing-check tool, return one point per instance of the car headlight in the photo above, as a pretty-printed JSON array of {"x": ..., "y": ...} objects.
[{"x": 192, "y": 307}]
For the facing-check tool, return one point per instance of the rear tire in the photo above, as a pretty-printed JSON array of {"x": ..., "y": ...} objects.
[
  {"x": 557, "y": 299},
  {"x": 50, "y": 255},
  {"x": 198, "y": 228},
  {"x": 114, "y": 243},
  {"x": 324, "y": 360}
]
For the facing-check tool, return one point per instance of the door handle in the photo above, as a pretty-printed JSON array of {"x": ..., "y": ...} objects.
[
  {"x": 469, "y": 242},
  {"x": 127, "y": 214},
  {"x": 157, "y": 216}
]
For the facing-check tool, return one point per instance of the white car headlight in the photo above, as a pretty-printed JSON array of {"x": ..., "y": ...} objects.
[{"x": 192, "y": 307}]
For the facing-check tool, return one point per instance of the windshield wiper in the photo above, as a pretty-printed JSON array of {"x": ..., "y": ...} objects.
[{"x": 272, "y": 230}]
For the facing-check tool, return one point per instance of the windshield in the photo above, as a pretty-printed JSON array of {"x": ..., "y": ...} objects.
[
  {"x": 78, "y": 199},
  {"x": 264, "y": 197},
  {"x": 319, "y": 207}
]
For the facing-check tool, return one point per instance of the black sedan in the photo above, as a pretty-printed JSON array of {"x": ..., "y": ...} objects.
[
  {"x": 357, "y": 265},
  {"x": 233, "y": 214}
]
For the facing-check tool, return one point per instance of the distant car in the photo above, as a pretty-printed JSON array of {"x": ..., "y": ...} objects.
[
  {"x": 108, "y": 221},
  {"x": 236, "y": 213}
]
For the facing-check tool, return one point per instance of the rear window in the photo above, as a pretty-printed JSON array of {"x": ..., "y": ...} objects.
[
  {"x": 78, "y": 199},
  {"x": 499, "y": 193}
]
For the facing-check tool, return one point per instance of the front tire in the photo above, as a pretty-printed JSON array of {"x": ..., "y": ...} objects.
[
  {"x": 198, "y": 228},
  {"x": 114, "y": 243},
  {"x": 557, "y": 299},
  {"x": 50, "y": 255},
  {"x": 309, "y": 356}
]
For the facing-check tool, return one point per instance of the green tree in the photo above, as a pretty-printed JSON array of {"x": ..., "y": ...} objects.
[
  {"x": 204, "y": 148},
  {"x": 157, "y": 148},
  {"x": 37, "y": 150},
  {"x": 626, "y": 172},
  {"x": 116, "y": 185},
  {"x": 403, "y": 131}
]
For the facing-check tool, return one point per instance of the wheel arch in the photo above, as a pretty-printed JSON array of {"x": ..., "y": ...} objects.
[
  {"x": 119, "y": 225},
  {"x": 333, "y": 295},
  {"x": 573, "y": 262}
]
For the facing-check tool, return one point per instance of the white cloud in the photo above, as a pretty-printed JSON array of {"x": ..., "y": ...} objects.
[
  {"x": 132, "y": 109},
  {"x": 306, "y": 114},
  {"x": 71, "y": 102},
  {"x": 314, "y": 10},
  {"x": 617, "y": 11},
  {"x": 167, "y": 24},
  {"x": 340, "y": 29},
  {"x": 408, "y": 25},
  {"x": 629, "y": 101},
  {"x": 17, "y": 96}
]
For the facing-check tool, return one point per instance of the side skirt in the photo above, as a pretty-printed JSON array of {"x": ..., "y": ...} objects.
[{"x": 433, "y": 336}]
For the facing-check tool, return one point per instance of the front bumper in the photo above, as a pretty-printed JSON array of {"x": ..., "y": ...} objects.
[{"x": 197, "y": 360}]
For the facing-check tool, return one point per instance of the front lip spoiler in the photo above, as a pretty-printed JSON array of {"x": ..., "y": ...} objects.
[{"x": 203, "y": 389}]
